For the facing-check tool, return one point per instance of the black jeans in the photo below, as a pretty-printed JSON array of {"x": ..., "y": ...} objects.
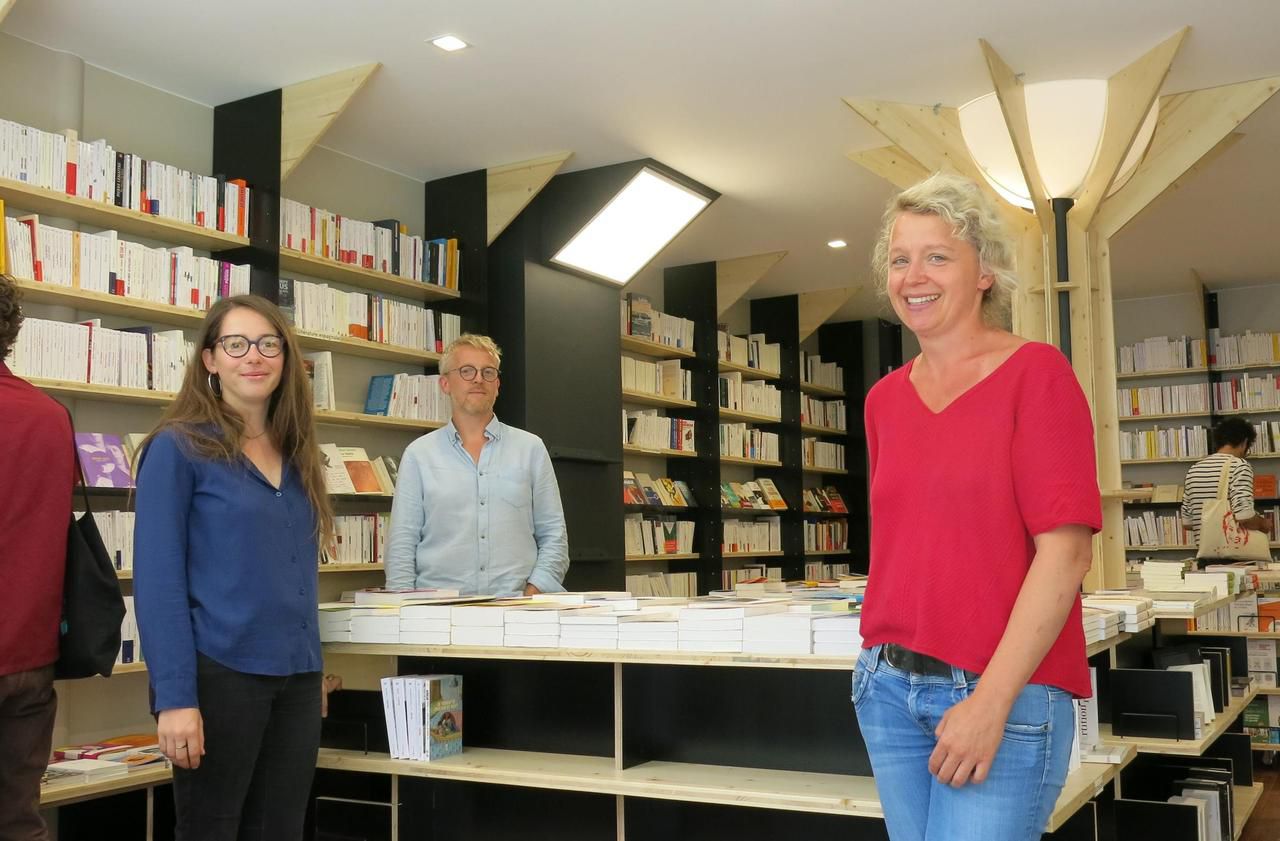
[
  {"x": 261, "y": 736},
  {"x": 28, "y": 705}
]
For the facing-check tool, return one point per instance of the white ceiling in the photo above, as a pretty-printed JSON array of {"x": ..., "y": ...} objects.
[{"x": 743, "y": 95}]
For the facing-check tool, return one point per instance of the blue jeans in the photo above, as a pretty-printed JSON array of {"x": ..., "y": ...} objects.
[{"x": 898, "y": 712}]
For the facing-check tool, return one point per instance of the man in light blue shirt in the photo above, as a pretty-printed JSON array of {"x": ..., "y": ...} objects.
[{"x": 477, "y": 506}]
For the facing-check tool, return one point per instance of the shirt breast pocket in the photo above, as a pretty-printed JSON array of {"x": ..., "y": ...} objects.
[{"x": 515, "y": 492}]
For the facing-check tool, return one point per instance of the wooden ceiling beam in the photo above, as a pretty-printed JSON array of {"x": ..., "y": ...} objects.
[
  {"x": 736, "y": 276},
  {"x": 307, "y": 109},
  {"x": 513, "y": 186}
]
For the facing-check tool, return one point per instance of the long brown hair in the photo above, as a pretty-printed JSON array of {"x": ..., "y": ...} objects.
[{"x": 213, "y": 430}]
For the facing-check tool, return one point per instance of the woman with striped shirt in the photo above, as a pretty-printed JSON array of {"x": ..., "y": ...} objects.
[{"x": 1233, "y": 437}]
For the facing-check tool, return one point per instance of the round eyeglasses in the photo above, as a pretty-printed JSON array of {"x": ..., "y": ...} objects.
[
  {"x": 468, "y": 373},
  {"x": 237, "y": 346}
]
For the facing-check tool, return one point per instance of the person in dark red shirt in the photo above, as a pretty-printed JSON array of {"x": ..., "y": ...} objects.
[
  {"x": 984, "y": 498},
  {"x": 37, "y": 468}
]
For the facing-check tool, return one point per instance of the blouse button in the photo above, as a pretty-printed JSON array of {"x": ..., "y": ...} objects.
[{"x": 279, "y": 494}]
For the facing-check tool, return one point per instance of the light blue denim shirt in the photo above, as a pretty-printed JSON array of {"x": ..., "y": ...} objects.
[{"x": 486, "y": 528}]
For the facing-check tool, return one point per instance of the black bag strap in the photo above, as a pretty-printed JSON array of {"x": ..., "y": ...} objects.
[{"x": 75, "y": 454}]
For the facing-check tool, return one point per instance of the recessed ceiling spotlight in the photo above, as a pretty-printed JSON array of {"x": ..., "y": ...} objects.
[
  {"x": 450, "y": 43},
  {"x": 837, "y": 243}
]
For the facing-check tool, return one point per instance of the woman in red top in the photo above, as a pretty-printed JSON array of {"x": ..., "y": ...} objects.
[{"x": 984, "y": 498}]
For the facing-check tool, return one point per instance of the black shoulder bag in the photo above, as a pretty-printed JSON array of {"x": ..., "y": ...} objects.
[{"x": 92, "y": 606}]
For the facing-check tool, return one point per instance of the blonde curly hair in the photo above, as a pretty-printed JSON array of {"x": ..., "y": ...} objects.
[{"x": 973, "y": 217}]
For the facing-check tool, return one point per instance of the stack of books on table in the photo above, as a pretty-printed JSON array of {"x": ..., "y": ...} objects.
[
  {"x": 1164, "y": 576},
  {"x": 1100, "y": 624},
  {"x": 656, "y": 631},
  {"x": 1136, "y": 610},
  {"x": 718, "y": 624}
]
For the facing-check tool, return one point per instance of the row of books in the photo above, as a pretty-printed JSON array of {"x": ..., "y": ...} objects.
[
  {"x": 758, "y": 494},
  {"x": 423, "y": 716},
  {"x": 664, "y": 378},
  {"x": 130, "y": 642},
  {"x": 1261, "y": 718},
  {"x": 1173, "y": 442},
  {"x": 383, "y": 246},
  {"x": 1136, "y": 613},
  {"x": 1248, "y": 391},
  {"x": 641, "y": 320},
  {"x": 663, "y": 584},
  {"x": 813, "y": 371},
  {"x": 826, "y": 536},
  {"x": 1150, "y": 529},
  {"x": 1161, "y": 353},
  {"x": 654, "y": 534},
  {"x": 319, "y": 309},
  {"x": 1248, "y": 348},
  {"x": 1181, "y": 575},
  {"x": 754, "y": 396},
  {"x": 823, "y": 571},
  {"x": 1162, "y": 400},
  {"x": 1250, "y": 611},
  {"x": 105, "y": 263},
  {"x": 741, "y": 441},
  {"x": 643, "y": 489},
  {"x": 646, "y": 428},
  {"x": 1264, "y": 487},
  {"x": 98, "y": 172},
  {"x": 87, "y": 352},
  {"x": 828, "y": 413},
  {"x": 828, "y": 499},
  {"x": 359, "y": 539},
  {"x": 752, "y": 351},
  {"x": 116, "y": 528},
  {"x": 818, "y": 453},
  {"x": 767, "y": 625},
  {"x": 413, "y": 396},
  {"x": 759, "y": 534},
  {"x": 348, "y": 470}
]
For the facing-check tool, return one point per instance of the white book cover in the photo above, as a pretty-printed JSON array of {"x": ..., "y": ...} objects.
[
  {"x": 425, "y": 638},
  {"x": 531, "y": 629},
  {"x": 837, "y": 649},
  {"x": 777, "y": 646},
  {"x": 710, "y": 636},
  {"x": 588, "y": 632},
  {"x": 437, "y": 626},
  {"x": 486, "y": 614},
  {"x": 402, "y": 717},
  {"x": 477, "y": 635},
  {"x": 647, "y": 644},
  {"x": 528, "y": 641}
]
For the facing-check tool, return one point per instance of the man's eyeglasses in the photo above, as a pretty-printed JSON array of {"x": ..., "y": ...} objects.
[
  {"x": 237, "y": 346},
  {"x": 468, "y": 373}
]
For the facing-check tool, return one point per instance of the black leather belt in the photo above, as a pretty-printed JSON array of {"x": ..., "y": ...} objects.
[{"x": 916, "y": 663}]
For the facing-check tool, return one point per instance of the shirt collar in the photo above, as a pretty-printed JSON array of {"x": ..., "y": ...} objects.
[
  {"x": 4, "y": 370},
  {"x": 492, "y": 430}
]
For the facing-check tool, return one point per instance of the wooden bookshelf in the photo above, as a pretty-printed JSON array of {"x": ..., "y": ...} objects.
[
  {"x": 352, "y": 568},
  {"x": 338, "y": 418},
  {"x": 1245, "y": 366},
  {"x": 837, "y": 794},
  {"x": 817, "y": 553},
  {"x": 821, "y": 391},
  {"x": 1164, "y": 372},
  {"x": 128, "y": 668},
  {"x": 22, "y": 196},
  {"x": 83, "y": 299},
  {"x": 1170, "y": 416},
  {"x": 326, "y": 269},
  {"x": 633, "y": 450},
  {"x": 1084, "y": 784},
  {"x": 631, "y": 508},
  {"x": 1265, "y": 747},
  {"x": 1181, "y": 460},
  {"x": 1246, "y": 800},
  {"x": 814, "y": 429},
  {"x": 573, "y": 655},
  {"x": 110, "y": 393},
  {"x": 748, "y": 417},
  {"x": 368, "y": 349},
  {"x": 1107, "y": 644},
  {"x": 653, "y": 350},
  {"x": 645, "y": 399},
  {"x": 64, "y": 793},
  {"x": 749, "y": 512},
  {"x": 825, "y": 513},
  {"x": 754, "y": 462},
  {"x": 747, "y": 373},
  {"x": 752, "y": 554},
  {"x": 677, "y": 556},
  {"x": 1183, "y": 747},
  {"x": 833, "y": 471},
  {"x": 1168, "y": 547}
]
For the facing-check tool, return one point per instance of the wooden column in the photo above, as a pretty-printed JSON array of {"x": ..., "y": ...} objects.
[{"x": 1192, "y": 127}]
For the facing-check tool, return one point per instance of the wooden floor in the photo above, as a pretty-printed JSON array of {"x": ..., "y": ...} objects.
[{"x": 1265, "y": 823}]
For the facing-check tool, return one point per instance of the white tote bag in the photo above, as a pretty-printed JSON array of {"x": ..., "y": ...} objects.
[{"x": 1221, "y": 537}]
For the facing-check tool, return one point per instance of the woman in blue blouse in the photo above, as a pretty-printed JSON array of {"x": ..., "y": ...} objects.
[{"x": 231, "y": 506}]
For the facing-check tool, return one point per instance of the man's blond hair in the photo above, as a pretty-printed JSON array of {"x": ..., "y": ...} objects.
[{"x": 472, "y": 340}]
